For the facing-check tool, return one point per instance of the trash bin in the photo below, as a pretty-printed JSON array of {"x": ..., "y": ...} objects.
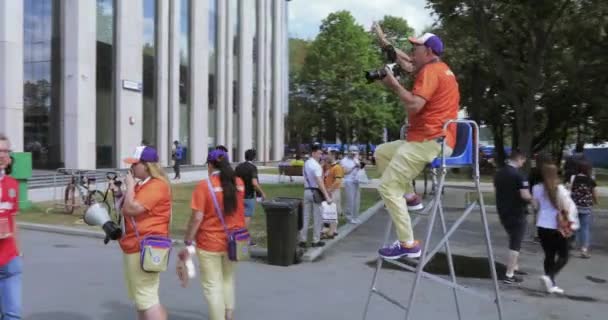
[
  {"x": 22, "y": 171},
  {"x": 282, "y": 230}
]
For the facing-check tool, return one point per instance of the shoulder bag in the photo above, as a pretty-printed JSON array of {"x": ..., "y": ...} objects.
[{"x": 238, "y": 239}]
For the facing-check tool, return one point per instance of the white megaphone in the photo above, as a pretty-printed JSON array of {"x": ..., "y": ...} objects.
[{"x": 97, "y": 215}]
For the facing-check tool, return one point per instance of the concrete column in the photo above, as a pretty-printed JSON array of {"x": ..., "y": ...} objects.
[
  {"x": 174, "y": 48},
  {"x": 229, "y": 70},
  {"x": 162, "y": 81},
  {"x": 277, "y": 78},
  {"x": 199, "y": 81},
  {"x": 129, "y": 65},
  {"x": 285, "y": 73},
  {"x": 261, "y": 85},
  {"x": 78, "y": 57},
  {"x": 268, "y": 79},
  {"x": 245, "y": 125},
  {"x": 11, "y": 71},
  {"x": 220, "y": 112}
]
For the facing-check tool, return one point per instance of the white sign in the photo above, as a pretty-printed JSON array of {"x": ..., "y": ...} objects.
[{"x": 131, "y": 85}]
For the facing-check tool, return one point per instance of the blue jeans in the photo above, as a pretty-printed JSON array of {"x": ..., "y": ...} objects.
[
  {"x": 10, "y": 290},
  {"x": 249, "y": 207},
  {"x": 583, "y": 234}
]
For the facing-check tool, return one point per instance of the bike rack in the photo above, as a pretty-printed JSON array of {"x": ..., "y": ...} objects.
[{"x": 468, "y": 157}]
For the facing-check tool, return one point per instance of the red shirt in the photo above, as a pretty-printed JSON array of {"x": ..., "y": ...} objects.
[
  {"x": 436, "y": 84},
  {"x": 9, "y": 205}
]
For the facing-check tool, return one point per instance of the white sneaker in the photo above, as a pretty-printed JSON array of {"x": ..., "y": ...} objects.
[
  {"x": 547, "y": 283},
  {"x": 556, "y": 289}
]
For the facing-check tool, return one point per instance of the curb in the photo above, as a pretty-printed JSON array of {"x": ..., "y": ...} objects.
[
  {"x": 313, "y": 254},
  {"x": 70, "y": 231}
]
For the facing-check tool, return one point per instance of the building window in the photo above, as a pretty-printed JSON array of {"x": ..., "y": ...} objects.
[
  {"x": 42, "y": 83},
  {"x": 150, "y": 111},
  {"x": 212, "y": 70},
  {"x": 184, "y": 78},
  {"x": 106, "y": 112}
]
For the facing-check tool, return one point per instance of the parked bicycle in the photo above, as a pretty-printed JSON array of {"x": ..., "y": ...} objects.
[{"x": 82, "y": 190}]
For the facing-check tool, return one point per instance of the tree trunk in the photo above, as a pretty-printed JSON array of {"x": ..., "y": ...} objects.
[{"x": 499, "y": 146}]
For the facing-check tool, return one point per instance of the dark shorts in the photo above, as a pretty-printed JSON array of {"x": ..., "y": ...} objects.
[{"x": 516, "y": 229}]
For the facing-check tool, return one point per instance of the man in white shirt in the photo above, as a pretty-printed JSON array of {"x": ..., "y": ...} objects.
[
  {"x": 313, "y": 183},
  {"x": 352, "y": 189}
]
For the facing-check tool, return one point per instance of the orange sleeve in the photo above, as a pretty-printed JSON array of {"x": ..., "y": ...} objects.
[
  {"x": 150, "y": 196},
  {"x": 198, "y": 197},
  {"x": 426, "y": 83}
]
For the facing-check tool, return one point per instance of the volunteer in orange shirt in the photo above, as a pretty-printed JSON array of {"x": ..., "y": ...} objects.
[
  {"x": 334, "y": 173},
  {"x": 433, "y": 101},
  {"x": 205, "y": 228},
  {"x": 148, "y": 201}
]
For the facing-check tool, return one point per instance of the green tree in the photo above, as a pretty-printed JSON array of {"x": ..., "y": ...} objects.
[
  {"x": 333, "y": 85},
  {"x": 529, "y": 69}
]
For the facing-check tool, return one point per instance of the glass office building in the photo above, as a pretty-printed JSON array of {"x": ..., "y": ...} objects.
[{"x": 82, "y": 92}]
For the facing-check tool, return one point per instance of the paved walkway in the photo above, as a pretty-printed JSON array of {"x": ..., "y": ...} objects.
[{"x": 73, "y": 278}]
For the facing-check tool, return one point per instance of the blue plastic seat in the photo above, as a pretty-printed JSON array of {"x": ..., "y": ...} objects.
[{"x": 462, "y": 156}]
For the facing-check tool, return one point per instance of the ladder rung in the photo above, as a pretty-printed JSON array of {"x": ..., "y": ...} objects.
[
  {"x": 441, "y": 280},
  {"x": 389, "y": 299}
]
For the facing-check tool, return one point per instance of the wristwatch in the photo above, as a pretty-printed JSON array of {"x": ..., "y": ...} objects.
[{"x": 188, "y": 242}]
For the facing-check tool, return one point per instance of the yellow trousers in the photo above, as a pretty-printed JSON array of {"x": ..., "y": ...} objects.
[
  {"x": 217, "y": 279},
  {"x": 400, "y": 162},
  {"x": 142, "y": 287}
]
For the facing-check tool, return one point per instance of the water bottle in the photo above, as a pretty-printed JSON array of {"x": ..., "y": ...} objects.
[{"x": 189, "y": 264}]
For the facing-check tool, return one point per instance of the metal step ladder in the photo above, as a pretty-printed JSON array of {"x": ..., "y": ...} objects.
[{"x": 465, "y": 154}]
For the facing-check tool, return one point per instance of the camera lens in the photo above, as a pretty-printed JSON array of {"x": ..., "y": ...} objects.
[{"x": 374, "y": 75}]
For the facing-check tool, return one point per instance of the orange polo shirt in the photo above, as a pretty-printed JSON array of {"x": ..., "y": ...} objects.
[
  {"x": 436, "y": 84},
  {"x": 333, "y": 176},
  {"x": 155, "y": 196},
  {"x": 211, "y": 235}
]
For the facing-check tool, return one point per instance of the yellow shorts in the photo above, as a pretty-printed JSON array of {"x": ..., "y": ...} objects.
[{"x": 142, "y": 287}]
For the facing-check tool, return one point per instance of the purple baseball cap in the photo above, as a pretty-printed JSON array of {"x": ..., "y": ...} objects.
[
  {"x": 216, "y": 155},
  {"x": 429, "y": 40},
  {"x": 143, "y": 153}
]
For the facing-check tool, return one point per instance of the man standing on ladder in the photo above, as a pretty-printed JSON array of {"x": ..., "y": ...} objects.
[{"x": 433, "y": 101}]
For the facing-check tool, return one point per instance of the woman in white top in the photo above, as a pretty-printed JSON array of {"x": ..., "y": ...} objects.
[{"x": 555, "y": 245}]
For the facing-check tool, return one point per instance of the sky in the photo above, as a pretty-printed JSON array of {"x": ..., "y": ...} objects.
[{"x": 305, "y": 15}]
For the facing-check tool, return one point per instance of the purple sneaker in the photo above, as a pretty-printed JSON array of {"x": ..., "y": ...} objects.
[
  {"x": 396, "y": 251},
  {"x": 414, "y": 203}
]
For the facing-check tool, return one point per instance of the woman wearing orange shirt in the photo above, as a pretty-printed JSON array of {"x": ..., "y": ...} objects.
[
  {"x": 147, "y": 211},
  {"x": 205, "y": 227}
]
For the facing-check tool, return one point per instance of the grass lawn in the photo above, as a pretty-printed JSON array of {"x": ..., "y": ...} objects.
[
  {"x": 490, "y": 199},
  {"x": 181, "y": 210}
]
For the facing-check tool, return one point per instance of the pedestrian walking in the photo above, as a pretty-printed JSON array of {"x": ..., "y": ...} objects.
[
  {"x": 584, "y": 194},
  {"x": 177, "y": 155},
  {"x": 314, "y": 194},
  {"x": 248, "y": 172},
  {"x": 512, "y": 197},
  {"x": 10, "y": 257},
  {"x": 147, "y": 212},
  {"x": 352, "y": 188},
  {"x": 550, "y": 198},
  {"x": 207, "y": 227}
]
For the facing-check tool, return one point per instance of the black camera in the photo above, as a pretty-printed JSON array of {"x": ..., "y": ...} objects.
[
  {"x": 390, "y": 55},
  {"x": 379, "y": 74}
]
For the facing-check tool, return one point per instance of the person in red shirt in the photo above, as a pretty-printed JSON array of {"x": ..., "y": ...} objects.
[
  {"x": 10, "y": 260},
  {"x": 206, "y": 229},
  {"x": 433, "y": 101}
]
